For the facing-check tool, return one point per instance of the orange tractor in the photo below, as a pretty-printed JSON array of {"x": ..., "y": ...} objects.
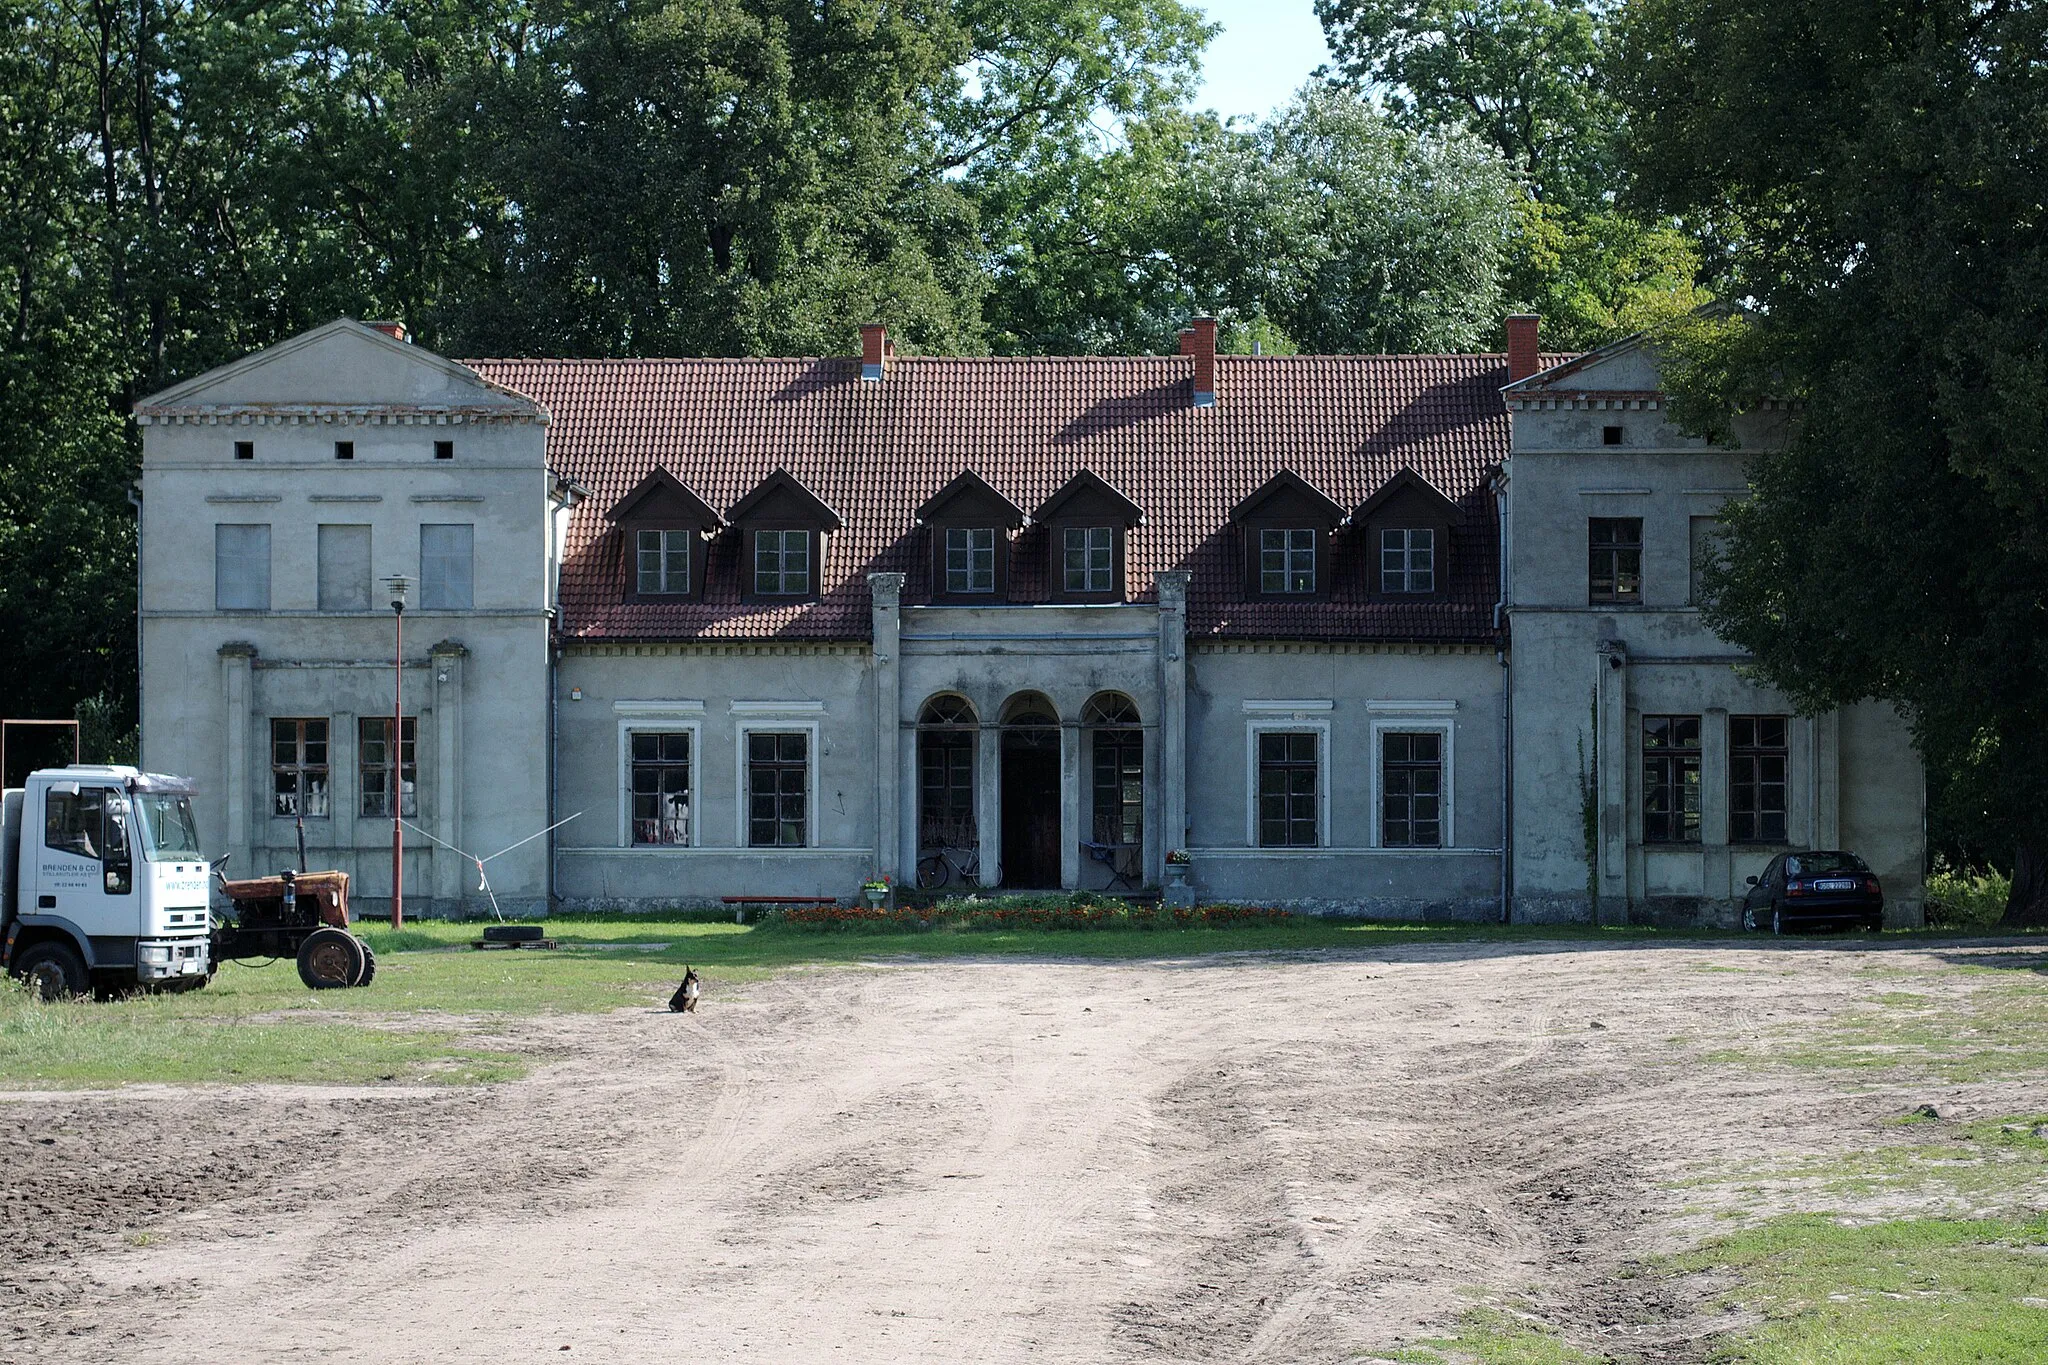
[{"x": 300, "y": 915}]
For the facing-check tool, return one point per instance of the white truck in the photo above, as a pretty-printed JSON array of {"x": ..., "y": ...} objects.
[{"x": 105, "y": 889}]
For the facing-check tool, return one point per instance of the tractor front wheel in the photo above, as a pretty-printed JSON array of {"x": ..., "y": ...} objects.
[{"x": 330, "y": 959}]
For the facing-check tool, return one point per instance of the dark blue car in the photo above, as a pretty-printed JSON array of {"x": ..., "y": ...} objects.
[{"x": 1816, "y": 889}]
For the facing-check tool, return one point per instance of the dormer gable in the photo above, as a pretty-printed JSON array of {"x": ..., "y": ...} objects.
[
  {"x": 1408, "y": 492},
  {"x": 1288, "y": 497},
  {"x": 1089, "y": 497},
  {"x": 1404, "y": 531},
  {"x": 1285, "y": 525},
  {"x": 969, "y": 498},
  {"x": 782, "y": 498},
  {"x": 663, "y": 498}
]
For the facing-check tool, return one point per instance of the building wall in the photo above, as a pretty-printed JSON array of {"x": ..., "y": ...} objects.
[{"x": 1585, "y": 675}]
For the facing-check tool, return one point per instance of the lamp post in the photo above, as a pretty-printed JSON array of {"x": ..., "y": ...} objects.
[{"x": 397, "y": 587}]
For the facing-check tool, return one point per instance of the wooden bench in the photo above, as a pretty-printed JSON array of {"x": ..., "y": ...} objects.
[{"x": 741, "y": 903}]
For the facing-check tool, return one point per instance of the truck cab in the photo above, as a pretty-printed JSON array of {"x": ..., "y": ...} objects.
[{"x": 104, "y": 884}]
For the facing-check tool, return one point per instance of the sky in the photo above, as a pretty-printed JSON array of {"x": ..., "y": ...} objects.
[{"x": 1266, "y": 50}]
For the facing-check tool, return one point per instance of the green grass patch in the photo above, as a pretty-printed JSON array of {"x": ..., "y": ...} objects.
[
  {"x": 1996, "y": 1026},
  {"x": 1929, "y": 1291},
  {"x": 1488, "y": 1336},
  {"x": 1988, "y": 1164},
  {"x": 78, "y": 1043}
]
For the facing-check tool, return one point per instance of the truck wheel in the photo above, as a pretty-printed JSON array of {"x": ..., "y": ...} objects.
[
  {"x": 55, "y": 970},
  {"x": 369, "y": 964},
  {"x": 330, "y": 958}
]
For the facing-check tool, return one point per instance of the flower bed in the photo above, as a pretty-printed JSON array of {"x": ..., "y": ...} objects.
[{"x": 1030, "y": 912}]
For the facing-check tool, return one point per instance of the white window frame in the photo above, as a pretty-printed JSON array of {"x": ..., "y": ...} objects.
[
  {"x": 1295, "y": 724},
  {"x": 971, "y": 549},
  {"x": 1408, "y": 550},
  {"x": 1088, "y": 550},
  {"x": 671, "y": 723},
  {"x": 782, "y": 569},
  {"x": 1416, "y": 721},
  {"x": 766, "y": 724},
  {"x": 663, "y": 587},
  {"x": 1289, "y": 552}
]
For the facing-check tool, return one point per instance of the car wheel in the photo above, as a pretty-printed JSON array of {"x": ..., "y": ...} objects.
[
  {"x": 330, "y": 958},
  {"x": 1777, "y": 919},
  {"x": 1875, "y": 924},
  {"x": 55, "y": 971},
  {"x": 1749, "y": 919}
]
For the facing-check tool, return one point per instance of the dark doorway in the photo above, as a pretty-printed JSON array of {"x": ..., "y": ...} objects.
[{"x": 1031, "y": 808}]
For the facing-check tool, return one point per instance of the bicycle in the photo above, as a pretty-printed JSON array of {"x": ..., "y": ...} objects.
[{"x": 941, "y": 866}]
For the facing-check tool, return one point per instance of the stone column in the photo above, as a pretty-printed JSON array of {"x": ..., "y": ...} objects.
[
  {"x": 1611, "y": 710},
  {"x": 344, "y": 790},
  {"x": 1715, "y": 871},
  {"x": 238, "y": 775},
  {"x": 1070, "y": 804},
  {"x": 439, "y": 795},
  {"x": 988, "y": 799},
  {"x": 885, "y": 594},
  {"x": 1173, "y": 721}
]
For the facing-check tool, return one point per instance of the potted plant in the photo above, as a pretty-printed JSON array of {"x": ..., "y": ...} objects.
[
  {"x": 1178, "y": 867},
  {"x": 874, "y": 892}
]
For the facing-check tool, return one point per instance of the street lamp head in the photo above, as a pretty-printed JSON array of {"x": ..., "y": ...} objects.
[{"x": 397, "y": 588}]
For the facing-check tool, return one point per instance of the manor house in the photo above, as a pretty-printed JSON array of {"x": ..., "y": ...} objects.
[{"x": 1388, "y": 635}]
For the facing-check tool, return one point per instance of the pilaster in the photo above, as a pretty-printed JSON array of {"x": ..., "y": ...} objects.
[
  {"x": 1827, "y": 780},
  {"x": 440, "y": 796},
  {"x": 237, "y": 773},
  {"x": 1714, "y": 867},
  {"x": 1610, "y": 692},
  {"x": 1173, "y": 726},
  {"x": 988, "y": 800},
  {"x": 1070, "y": 804},
  {"x": 885, "y": 593}
]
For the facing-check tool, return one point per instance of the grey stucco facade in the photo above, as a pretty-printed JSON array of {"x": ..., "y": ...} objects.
[{"x": 1138, "y": 734}]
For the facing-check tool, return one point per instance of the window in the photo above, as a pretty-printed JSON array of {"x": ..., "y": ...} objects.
[
  {"x": 1090, "y": 558},
  {"x": 661, "y": 788},
  {"x": 245, "y": 450},
  {"x": 444, "y": 450},
  {"x": 970, "y": 559},
  {"x": 1610, "y": 436},
  {"x": 1671, "y": 779},
  {"x": 1614, "y": 559},
  {"x": 241, "y": 568},
  {"x": 1408, "y": 560},
  {"x": 73, "y": 824},
  {"x": 373, "y": 766},
  {"x": 782, "y": 563},
  {"x": 664, "y": 563},
  {"x": 344, "y": 450},
  {"x": 778, "y": 790},
  {"x": 1287, "y": 561},
  {"x": 344, "y": 568},
  {"x": 446, "y": 571},
  {"x": 1706, "y": 543},
  {"x": 1411, "y": 790},
  {"x": 298, "y": 768},
  {"x": 1119, "y": 786},
  {"x": 1288, "y": 800},
  {"x": 1756, "y": 779}
]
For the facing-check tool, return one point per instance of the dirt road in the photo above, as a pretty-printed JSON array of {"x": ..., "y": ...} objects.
[{"x": 1272, "y": 1158}]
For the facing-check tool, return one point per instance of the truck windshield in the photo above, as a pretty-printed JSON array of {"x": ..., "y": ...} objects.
[{"x": 168, "y": 830}]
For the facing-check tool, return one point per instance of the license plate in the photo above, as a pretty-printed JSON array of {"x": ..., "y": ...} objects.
[{"x": 1836, "y": 884}]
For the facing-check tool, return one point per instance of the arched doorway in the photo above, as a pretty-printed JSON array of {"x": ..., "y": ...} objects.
[
  {"x": 1116, "y": 768},
  {"x": 948, "y": 836},
  {"x": 1031, "y": 792}
]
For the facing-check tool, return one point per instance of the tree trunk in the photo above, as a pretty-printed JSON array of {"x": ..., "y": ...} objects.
[{"x": 2027, "y": 906}]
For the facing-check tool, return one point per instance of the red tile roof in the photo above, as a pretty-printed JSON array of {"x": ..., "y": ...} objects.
[{"x": 874, "y": 452}]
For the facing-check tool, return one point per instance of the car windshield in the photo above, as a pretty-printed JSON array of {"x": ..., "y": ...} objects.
[
  {"x": 168, "y": 829},
  {"x": 1821, "y": 864}
]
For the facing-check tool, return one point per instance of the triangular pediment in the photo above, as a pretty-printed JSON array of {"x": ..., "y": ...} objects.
[
  {"x": 1288, "y": 497},
  {"x": 781, "y": 497},
  {"x": 662, "y": 497},
  {"x": 969, "y": 497},
  {"x": 1410, "y": 491},
  {"x": 345, "y": 365},
  {"x": 1088, "y": 496}
]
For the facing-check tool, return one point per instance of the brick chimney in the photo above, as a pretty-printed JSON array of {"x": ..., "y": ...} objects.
[
  {"x": 1523, "y": 360},
  {"x": 874, "y": 349},
  {"x": 1199, "y": 341},
  {"x": 394, "y": 330}
]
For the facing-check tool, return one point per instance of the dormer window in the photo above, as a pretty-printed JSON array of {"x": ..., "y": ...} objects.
[
  {"x": 970, "y": 559},
  {"x": 1408, "y": 560},
  {"x": 1407, "y": 530},
  {"x": 782, "y": 527},
  {"x": 1090, "y": 559},
  {"x": 782, "y": 563},
  {"x": 1286, "y": 522},
  {"x": 970, "y": 524},
  {"x": 664, "y": 562},
  {"x": 1287, "y": 561},
  {"x": 1086, "y": 522},
  {"x": 662, "y": 525}
]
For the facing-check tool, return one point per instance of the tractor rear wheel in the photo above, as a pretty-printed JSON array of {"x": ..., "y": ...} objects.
[
  {"x": 369, "y": 964},
  {"x": 330, "y": 958}
]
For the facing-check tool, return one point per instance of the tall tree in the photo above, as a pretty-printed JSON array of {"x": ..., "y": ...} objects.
[{"x": 1872, "y": 170}]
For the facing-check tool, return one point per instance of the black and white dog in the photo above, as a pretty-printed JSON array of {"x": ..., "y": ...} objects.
[{"x": 684, "y": 1001}]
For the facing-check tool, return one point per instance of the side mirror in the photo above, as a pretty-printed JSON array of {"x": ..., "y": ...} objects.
[{"x": 1750, "y": 880}]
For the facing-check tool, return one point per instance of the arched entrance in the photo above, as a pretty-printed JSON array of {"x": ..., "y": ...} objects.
[
  {"x": 948, "y": 836},
  {"x": 1031, "y": 792},
  {"x": 1116, "y": 789}
]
